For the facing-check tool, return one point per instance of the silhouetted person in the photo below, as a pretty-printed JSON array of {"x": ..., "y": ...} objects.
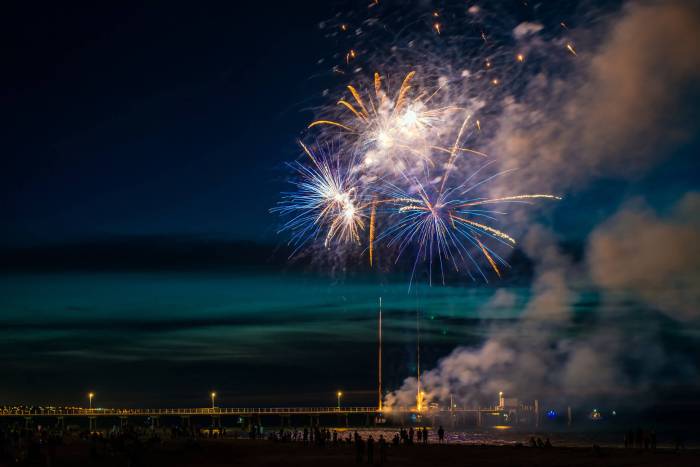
[
  {"x": 370, "y": 450},
  {"x": 382, "y": 450},
  {"x": 419, "y": 435},
  {"x": 359, "y": 449},
  {"x": 411, "y": 435},
  {"x": 396, "y": 440},
  {"x": 679, "y": 442},
  {"x": 51, "y": 451},
  {"x": 547, "y": 443},
  {"x": 533, "y": 443},
  {"x": 441, "y": 434},
  {"x": 638, "y": 438},
  {"x": 540, "y": 444},
  {"x": 425, "y": 435}
]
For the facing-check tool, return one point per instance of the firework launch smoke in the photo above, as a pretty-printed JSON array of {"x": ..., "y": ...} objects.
[{"x": 622, "y": 117}]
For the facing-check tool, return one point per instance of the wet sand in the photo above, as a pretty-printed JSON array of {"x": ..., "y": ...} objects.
[{"x": 267, "y": 453}]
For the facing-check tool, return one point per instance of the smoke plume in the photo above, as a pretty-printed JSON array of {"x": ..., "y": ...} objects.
[{"x": 618, "y": 115}]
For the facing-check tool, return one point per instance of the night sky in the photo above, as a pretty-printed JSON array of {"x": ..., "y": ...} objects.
[
  {"x": 142, "y": 149},
  {"x": 148, "y": 120}
]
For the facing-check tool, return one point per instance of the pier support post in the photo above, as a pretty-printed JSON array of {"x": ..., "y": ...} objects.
[
  {"x": 61, "y": 424},
  {"x": 537, "y": 413},
  {"x": 478, "y": 418},
  {"x": 28, "y": 422},
  {"x": 92, "y": 423},
  {"x": 568, "y": 413},
  {"x": 123, "y": 422}
]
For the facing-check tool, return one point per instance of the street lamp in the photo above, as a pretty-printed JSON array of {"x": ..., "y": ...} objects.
[
  {"x": 340, "y": 394},
  {"x": 90, "y": 396},
  {"x": 213, "y": 396}
]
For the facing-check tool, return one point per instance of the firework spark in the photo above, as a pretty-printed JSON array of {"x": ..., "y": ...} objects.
[
  {"x": 446, "y": 229},
  {"x": 326, "y": 203},
  {"x": 393, "y": 131}
]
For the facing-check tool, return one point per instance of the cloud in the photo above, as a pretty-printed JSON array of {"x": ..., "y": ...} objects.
[{"x": 656, "y": 258}]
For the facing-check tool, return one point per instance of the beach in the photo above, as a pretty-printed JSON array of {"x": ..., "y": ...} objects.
[{"x": 227, "y": 452}]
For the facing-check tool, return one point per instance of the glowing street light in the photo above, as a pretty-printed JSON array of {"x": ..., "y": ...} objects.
[
  {"x": 90, "y": 396},
  {"x": 339, "y": 394},
  {"x": 213, "y": 397}
]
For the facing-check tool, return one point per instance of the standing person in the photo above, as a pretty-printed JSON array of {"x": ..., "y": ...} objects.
[
  {"x": 370, "y": 450},
  {"x": 359, "y": 449},
  {"x": 441, "y": 434},
  {"x": 425, "y": 435},
  {"x": 382, "y": 450},
  {"x": 411, "y": 435}
]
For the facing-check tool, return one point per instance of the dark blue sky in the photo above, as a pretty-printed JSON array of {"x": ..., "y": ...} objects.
[{"x": 149, "y": 119}]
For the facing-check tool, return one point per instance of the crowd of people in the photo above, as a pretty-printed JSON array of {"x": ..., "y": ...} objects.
[
  {"x": 640, "y": 439},
  {"x": 364, "y": 447},
  {"x": 39, "y": 445}
]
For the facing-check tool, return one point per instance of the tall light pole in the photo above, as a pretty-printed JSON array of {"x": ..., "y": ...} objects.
[
  {"x": 340, "y": 394},
  {"x": 90, "y": 396},
  {"x": 213, "y": 397},
  {"x": 379, "y": 358}
]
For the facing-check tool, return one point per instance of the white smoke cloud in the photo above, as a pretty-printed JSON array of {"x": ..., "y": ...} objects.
[
  {"x": 546, "y": 354},
  {"x": 617, "y": 112},
  {"x": 619, "y": 115},
  {"x": 655, "y": 258}
]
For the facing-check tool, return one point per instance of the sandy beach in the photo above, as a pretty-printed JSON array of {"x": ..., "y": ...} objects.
[{"x": 266, "y": 453}]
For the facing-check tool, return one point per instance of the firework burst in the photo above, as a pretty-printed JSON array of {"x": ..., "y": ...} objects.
[
  {"x": 393, "y": 133},
  {"x": 447, "y": 228},
  {"x": 325, "y": 204},
  {"x": 403, "y": 179}
]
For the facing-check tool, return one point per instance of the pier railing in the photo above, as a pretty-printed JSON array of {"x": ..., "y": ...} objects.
[
  {"x": 126, "y": 412},
  {"x": 218, "y": 411}
]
